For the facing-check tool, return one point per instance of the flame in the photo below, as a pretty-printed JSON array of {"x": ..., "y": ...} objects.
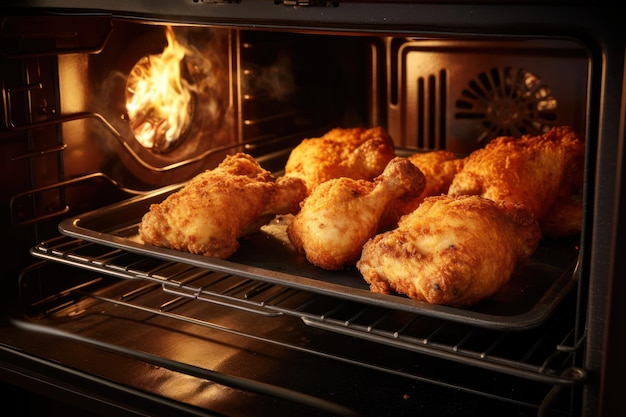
[{"x": 159, "y": 100}]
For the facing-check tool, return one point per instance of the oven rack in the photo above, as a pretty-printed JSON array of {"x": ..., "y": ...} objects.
[
  {"x": 545, "y": 354},
  {"x": 71, "y": 312}
]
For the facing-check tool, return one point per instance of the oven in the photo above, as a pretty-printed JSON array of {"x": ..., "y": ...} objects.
[{"x": 98, "y": 323}]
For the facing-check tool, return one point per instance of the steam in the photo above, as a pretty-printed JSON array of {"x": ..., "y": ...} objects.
[{"x": 275, "y": 81}]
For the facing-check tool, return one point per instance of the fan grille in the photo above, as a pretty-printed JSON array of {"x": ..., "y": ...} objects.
[{"x": 507, "y": 102}]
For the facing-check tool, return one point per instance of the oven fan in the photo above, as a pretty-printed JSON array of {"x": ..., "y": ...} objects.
[{"x": 507, "y": 102}]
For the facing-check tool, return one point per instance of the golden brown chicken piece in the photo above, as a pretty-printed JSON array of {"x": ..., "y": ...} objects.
[
  {"x": 564, "y": 217},
  {"x": 540, "y": 172},
  {"x": 216, "y": 207},
  {"x": 439, "y": 167},
  {"x": 450, "y": 251},
  {"x": 356, "y": 153},
  {"x": 341, "y": 214}
]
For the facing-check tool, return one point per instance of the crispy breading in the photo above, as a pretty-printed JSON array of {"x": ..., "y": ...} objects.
[
  {"x": 450, "y": 251},
  {"x": 543, "y": 173},
  {"x": 356, "y": 153},
  {"x": 341, "y": 214},
  {"x": 439, "y": 168},
  {"x": 215, "y": 208}
]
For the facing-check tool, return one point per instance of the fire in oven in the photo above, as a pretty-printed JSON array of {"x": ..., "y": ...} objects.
[{"x": 283, "y": 209}]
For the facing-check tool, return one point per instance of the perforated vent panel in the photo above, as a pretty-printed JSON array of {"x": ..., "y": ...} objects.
[{"x": 461, "y": 95}]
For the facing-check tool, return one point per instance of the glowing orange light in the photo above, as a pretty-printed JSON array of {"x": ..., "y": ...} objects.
[{"x": 159, "y": 100}]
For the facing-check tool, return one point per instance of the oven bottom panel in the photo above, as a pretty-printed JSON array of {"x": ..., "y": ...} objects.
[{"x": 232, "y": 362}]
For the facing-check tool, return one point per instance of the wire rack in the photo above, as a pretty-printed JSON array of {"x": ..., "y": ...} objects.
[{"x": 545, "y": 354}]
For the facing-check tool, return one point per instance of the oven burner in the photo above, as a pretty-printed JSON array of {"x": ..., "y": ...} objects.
[{"x": 159, "y": 98}]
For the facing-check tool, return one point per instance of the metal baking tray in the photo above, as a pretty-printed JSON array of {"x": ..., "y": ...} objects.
[{"x": 534, "y": 291}]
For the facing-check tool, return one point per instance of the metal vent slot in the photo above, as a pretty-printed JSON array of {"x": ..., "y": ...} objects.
[
  {"x": 431, "y": 111},
  {"x": 537, "y": 354}
]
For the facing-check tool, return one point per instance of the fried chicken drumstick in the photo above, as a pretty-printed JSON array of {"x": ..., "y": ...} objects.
[
  {"x": 209, "y": 214},
  {"x": 341, "y": 214},
  {"x": 544, "y": 173},
  {"x": 356, "y": 153},
  {"x": 450, "y": 251}
]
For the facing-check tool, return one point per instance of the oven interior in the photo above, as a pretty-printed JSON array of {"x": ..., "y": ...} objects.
[{"x": 197, "y": 337}]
